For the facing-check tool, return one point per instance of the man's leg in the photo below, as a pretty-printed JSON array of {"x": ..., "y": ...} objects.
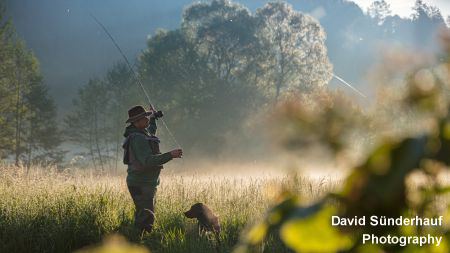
[{"x": 143, "y": 198}]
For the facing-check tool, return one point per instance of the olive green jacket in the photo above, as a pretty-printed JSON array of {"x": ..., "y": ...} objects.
[{"x": 138, "y": 145}]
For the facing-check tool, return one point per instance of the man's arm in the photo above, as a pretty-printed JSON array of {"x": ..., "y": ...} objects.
[{"x": 142, "y": 152}]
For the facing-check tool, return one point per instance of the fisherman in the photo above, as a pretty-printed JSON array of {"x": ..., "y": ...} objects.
[{"x": 145, "y": 161}]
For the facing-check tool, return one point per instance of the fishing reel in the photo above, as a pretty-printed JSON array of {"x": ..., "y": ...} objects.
[{"x": 157, "y": 114}]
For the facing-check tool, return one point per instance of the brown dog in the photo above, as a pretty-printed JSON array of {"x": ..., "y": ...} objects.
[{"x": 207, "y": 221}]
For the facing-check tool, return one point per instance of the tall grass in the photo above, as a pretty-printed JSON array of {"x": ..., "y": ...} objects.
[{"x": 42, "y": 210}]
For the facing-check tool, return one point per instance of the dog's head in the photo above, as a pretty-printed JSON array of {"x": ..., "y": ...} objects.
[{"x": 195, "y": 211}]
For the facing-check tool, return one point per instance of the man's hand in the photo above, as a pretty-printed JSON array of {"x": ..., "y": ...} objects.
[{"x": 176, "y": 153}]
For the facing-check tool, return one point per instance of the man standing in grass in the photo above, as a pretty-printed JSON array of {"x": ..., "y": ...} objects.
[{"x": 145, "y": 161}]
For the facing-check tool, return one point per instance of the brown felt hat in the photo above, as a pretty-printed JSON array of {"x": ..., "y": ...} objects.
[{"x": 136, "y": 113}]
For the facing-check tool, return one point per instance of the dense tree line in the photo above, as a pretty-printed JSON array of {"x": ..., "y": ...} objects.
[
  {"x": 28, "y": 126},
  {"x": 220, "y": 67}
]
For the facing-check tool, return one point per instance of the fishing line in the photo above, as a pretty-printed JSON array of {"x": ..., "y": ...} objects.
[
  {"x": 136, "y": 77},
  {"x": 348, "y": 85}
]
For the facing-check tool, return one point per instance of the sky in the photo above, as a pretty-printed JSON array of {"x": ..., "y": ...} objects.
[{"x": 403, "y": 8}]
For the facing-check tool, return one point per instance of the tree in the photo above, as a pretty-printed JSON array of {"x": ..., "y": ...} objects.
[
  {"x": 6, "y": 87},
  {"x": 224, "y": 33},
  {"x": 424, "y": 11},
  {"x": 205, "y": 67},
  {"x": 224, "y": 37},
  {"x": 24, "y": 74},
  {"x": 43, "y": 136},
  {"x": 88, "y": 126},
  {"x": 426, "y": 20},
  {"x": 296, "y": 56},
  {"x": 187, "y": 89},
  {"x": 124, "y": 92},
  {"x": 379, "y": 10},
  {"x": 222, "y": 60},
  {"x": 27, "y": 114}
]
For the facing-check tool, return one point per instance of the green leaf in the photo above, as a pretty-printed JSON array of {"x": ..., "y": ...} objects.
[
  {"x": 314, "y": 234},
  {"x": 257, "y": 233}
]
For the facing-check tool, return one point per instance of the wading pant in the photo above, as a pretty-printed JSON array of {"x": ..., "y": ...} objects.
[{"x": 144, "y": 201}]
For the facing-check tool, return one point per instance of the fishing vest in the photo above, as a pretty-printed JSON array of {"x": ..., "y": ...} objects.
[{"x": 128, "y": 157}]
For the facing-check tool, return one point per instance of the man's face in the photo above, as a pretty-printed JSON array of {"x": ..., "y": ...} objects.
[{"x": 142, "y": 123}]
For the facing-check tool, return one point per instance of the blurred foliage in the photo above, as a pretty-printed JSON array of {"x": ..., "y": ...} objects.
[
  {"x": 326, "y": 120},
  {"x": 381, "y": 184},
  {"x": 115, "y": 244}
]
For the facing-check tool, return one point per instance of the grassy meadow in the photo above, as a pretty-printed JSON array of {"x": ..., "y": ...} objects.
[{"x": 42, "y": 210}]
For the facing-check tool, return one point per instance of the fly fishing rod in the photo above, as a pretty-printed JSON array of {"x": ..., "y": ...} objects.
[{"x": 136, "y": 77}]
